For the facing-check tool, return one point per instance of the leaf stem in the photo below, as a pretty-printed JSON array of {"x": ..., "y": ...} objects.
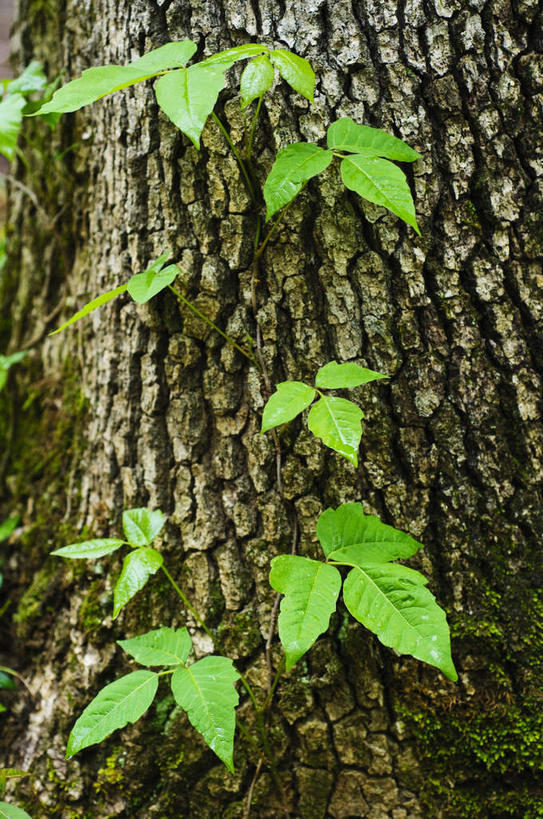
[
  {"x": 238, "y": 157},
  {"x": 187, "y": 604},
  {"x": 207, "y": 320}
]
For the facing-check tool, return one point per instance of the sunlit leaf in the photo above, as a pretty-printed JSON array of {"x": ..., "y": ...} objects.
[
  {"x": 92, "y": 305},
  {"x": 138, "y": 566},
  {"x": 205, "y": 690},
  {"x": 257, "y": 77},
  {"x": 296, "y": 71},
  {"x": 290, "y": 398},
  {"x": 404, "y": 615},
  {"x": 226, "y": 59},
  {"x": 32, "y": 79},
  {"x": 311, "y": 590},
  {"x": 143, "y": 286},
  {"x": 334, "y": 376},
  {"x": 11, "y": 116},
  {"x": 89, "y": 549},
  {"x": 293, "y": 166},
  {"x": 119, "y": 703},
  {"x": 188, "y": 97},
  {"x": 12, "y": 812},
  {"x": 337, "y": 422},
  {"x": 346, "y": 135},
  {"x": 381, "y": 182},
  {"x": 347, "y": 527},
  {"x": 100, "y": 81},
  {"x": 141, "y": 526},
  {"x": 163, "y": 646}
]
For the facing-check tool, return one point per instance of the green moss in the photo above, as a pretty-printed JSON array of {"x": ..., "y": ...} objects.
[
  {"x": 31, "y": 602},
  {"x": 111, "y": 773}
]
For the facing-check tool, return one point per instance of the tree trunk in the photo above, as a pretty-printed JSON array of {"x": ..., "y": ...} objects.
[{"x": 146, "y": 406}]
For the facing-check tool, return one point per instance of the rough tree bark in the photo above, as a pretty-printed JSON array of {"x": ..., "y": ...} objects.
[{"x": 144, "y": 406}]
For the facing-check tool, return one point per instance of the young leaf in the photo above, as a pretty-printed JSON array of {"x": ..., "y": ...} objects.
[
  {"x": 8, "y": 526},
  {"x": 119, "y": 703},
  {"x": 404, "y": 615},
  {"x": 11, "y": 116},
  {"x": 12, "y": 812},
  {"x": 188, "y": 97},
  {"x": 296, "y": 71},
  {"x": 366, "y": 538},
  {"x": 205, "y": 690},
  {"x": 89, "y": 549},
  {"x": 98, "y": 82},
  {"x": 138, "y": 567},
  {"x": 293, "y": 166},
  {"x": 92, "y": 305},
  {"x": 7, "y": 361},
  {"x": 257, "y": 77},
  {"x": 346, "y": 135},
  {"x": 226, "y": 59},
  {"x": 163, "y": 646},
  {"x": 382, "y": 182},
  {"x": 337, "y": 422},
  {"x": 334, "y": 376},
  {"x": 311, "y": 590},
  {"x": 290, "y": 398},
  {"x": 141, "y": 526},
  {"x": 143, "y": 286}
]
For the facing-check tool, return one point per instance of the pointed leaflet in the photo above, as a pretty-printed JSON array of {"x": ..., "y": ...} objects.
[
  {"x": 205, "y": 690},
  {"x": 226, "y": 59},
  {"x": 188, "y": 97},
  {"x": 12, "y": 812},
  {"x": 346, "y": 135},
  {"x": 347, "y": 527},
  {"x": 382, "y": 182},
  {"x": 89, "y": 549},
  {"x": 334, "y": 376},
  {"x": 311, "y": 590},
  {"x": 141, "y": 526},
  {"x": 296, "y": 71},
  {"x": 119, "y": 703},
  {"x": 92, "y": 305},
  {"x": 143, "y": 286},
  {"x": 289, "y": 399},
  {"x": 98, "y": 82},
  {"x": 403, "y": 615},
  {"x": 294, "y": 166},
  {"x": 11, "y": 116},
  {"x": 32, "y": 79},
  {"x": 8, "y": 526},
  {"x": 337, "y": 422},
  {"x": 163, "y": 646},
  {"x": 257, "y": 77},
  {"x": 138, "y": 567}
]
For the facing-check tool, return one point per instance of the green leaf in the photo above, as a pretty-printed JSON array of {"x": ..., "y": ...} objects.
[
  {"x": 141, "y": 526},
  {"x": 382, "y": 182},
  {"x": 32, "y": 79},
  {"x": 293, "y": 167},
  {"x": 290, "y": 398},
  {"x": 404, "y": 615},
  {"x": 119, "y": 703},
  {"x": 7, "y": 361},
  {"x": 347, "y": 527},
  {"x": 296, "y": 71},
  {"x": 8, "y": 526},
  {"x": 89, "y": 549},
  {"x": 11, "y": 117},
  {"x": 138, "y": 567},
  {"x": 226, "y": 59},
  {"x": 143, "y": 286},
  {"x": 12, "y": 812},
  {"x": 337, "y": 422},
  {"x": 346, "y": 135},
  {"x": 257, "y": 77},
  {"x": 311, "y": 590},
  {"x": 334, "y": 376},
  {"x": 205, "y": 690},
  {"x": 7, "y": 682},
  {"x": 188, "y": 97},
  {"x": 92, "y": 305},
  {"x": 100, "y": 81},
  {"x": 163, "y": 646}
]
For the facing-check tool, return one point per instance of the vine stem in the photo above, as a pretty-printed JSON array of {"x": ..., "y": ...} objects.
[
  {"x": 212, "y": 324},
  {"x": 252, "y": 131},
  {"x": 238, "y": 157}
]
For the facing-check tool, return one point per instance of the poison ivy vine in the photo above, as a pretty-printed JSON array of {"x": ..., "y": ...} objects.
[{"x": 360, "y": 552}]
